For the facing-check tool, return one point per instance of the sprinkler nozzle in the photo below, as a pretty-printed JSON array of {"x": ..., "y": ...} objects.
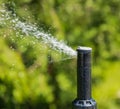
[{"x": 84, "y": 99}]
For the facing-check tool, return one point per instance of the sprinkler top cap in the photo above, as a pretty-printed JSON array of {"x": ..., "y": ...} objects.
[{"x": 84, "y": 49}]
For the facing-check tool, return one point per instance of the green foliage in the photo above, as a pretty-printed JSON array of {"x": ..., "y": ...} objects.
[{"x": 28, "y": 77}]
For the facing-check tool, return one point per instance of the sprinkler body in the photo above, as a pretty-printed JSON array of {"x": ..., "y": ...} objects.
[{"x": 84, "y": 99}]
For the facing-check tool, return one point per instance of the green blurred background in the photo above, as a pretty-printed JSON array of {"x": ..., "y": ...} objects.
[{"x": 28, "y": 80}]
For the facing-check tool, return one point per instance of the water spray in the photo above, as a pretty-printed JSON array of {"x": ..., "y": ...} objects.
[
  {"x": 84, "y": 99},
  {"x": 31, "y": 29}
]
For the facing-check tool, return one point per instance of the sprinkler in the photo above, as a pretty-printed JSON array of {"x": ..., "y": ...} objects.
[{"x": 84, "y": 99}]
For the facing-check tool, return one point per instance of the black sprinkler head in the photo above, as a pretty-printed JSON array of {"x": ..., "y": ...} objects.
[{"x": 84, "y": 99}]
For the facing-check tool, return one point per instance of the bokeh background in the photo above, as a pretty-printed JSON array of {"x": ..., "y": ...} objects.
[{"x": 28, "y": 78}]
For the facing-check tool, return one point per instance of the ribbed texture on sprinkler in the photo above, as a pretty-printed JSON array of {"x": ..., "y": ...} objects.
[{"x": 84, "y": 99}]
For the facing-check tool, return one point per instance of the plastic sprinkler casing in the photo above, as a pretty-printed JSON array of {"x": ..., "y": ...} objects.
[{"x": 84, "y": 99}]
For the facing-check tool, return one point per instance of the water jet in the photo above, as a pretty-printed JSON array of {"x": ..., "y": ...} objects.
[{"x": 84, "y": 99}]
